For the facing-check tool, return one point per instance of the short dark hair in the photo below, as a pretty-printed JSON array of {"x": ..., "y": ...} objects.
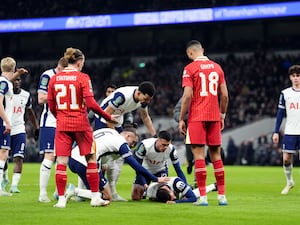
[
  {"x": 163, "y": 195},
  {"x": 193, "y": 42},
  {"x": 147, "y": 87},
  {"x": 113, "y": 86},
  {"x": 294, "y": 69},
  {"x": 165, "y": 135},
  {"x": 130, "y": 128}
]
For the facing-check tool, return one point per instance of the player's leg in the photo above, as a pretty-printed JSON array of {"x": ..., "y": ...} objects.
[
  {"x": 63, "y": 143},
  {"x": 87, "y": 148},
  {"x": 196, "y": 136},
  {"x": 4, "y": 150},
  {"x": 47, "y": 135},
  {"x": 288, "y": 172},
  {"x": 289, "y": 148},
  {"x": 214, "y": 150},
  {"x": 113, "y": 173},
  {"x": 18, "y": 144}
]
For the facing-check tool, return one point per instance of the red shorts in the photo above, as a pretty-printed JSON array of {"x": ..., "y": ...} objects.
[
  {"x": 64, "y": 141},
  {"x": 204, "y": 133}
]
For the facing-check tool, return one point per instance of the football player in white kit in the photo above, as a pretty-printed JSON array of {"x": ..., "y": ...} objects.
[
  {"x": 8, "y": 74},
  {"x": 153, "y": 154},
  {"x": 22, "y": 103},
  {"x": 108, "y": 142},
  {"x": 175, "y": 191},
  {"x": 289, "y": 106},
  {"x": 47, "y": 129},
  {"x": 124, "y": 100}
]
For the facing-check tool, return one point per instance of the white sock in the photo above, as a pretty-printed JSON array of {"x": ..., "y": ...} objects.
[
  {"x": 95, "y": 195},
  {"x": 15, "y": 179},
  {"x": 2, "y": 164},
  {"x": 210, "y": 188},
  {"x": 45, "y": 171},
  {"x": 288, "y": 173},
  {"x": 84, "y": 193}
]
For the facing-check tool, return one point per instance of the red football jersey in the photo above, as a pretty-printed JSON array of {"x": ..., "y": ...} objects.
[
  {"x": 205, "y": 77},
  {"x": 68, "y": 90}
]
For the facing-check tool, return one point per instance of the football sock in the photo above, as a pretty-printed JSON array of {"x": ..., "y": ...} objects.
[
  {"x": 92, "y": 176},
  {"x": 220, "y": 176},
  {"x": 288, "y": 172},
  {"x": 61, "y": 178},
  {"x": 200, "y": 173},
  {"x": 15, "y": 179},
  {"x": 45, "y": 171},
  {"x": 2, "y": 164},
  {"x": 84, "y": 193}
]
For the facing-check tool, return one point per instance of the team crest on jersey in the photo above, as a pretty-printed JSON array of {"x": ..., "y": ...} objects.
[
  {"x": 141, "y": 149},
  {"x": 2, "y": 87},
  {"x": 44, "y": 81},
  {"x": 118, "y": 100}
]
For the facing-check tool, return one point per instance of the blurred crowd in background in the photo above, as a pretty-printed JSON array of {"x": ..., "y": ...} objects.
[{"x": 254, "y": 69}]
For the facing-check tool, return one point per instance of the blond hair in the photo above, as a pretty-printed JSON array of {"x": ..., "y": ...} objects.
[
  {"x": 8, "y": 64},
  {"x": 72, "y": 55}
]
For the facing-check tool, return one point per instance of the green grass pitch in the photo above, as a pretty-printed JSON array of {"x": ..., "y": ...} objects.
[{"x": 253, "y": 194}]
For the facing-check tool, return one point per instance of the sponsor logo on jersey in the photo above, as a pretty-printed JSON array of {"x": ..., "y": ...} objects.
[{"x": 44, "y": 81}]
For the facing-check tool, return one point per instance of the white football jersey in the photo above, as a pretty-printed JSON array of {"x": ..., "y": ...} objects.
[
  {"x": 6, "y": 89},
  {"x": 290, "y": 101},
  {"x": 122, "y": 101},
  {"x": 155, "y": 161},
  {"x": 21, "y": 102},
  {"x": 47, "y": 119},
  {"x": 108, "y": 142},
  {"x": 175, "y": 184}
]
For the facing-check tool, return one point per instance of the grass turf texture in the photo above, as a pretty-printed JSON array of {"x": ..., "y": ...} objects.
[{"x": 253, "y": 194}]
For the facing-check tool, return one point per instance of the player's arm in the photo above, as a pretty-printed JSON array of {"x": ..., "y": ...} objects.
[
  {"x": 51, "y": 101},
  {"x": 186, "y": 99},
  {"x": 176, "y": 164},
  {"x": 32, "y": 118},
  {"x": 141, "y": 170},
  {"x": 110, "y": 110},
  {"x": 18, "y": 73},
  {"x": 187, "y": 193},
  {"x": 224, "y": 99},
  {"x": 147, "y": 120},
  {"x": 92, "y": 105},
  {"x": 4, "y": 116},
  {"x": 42, "y": 98},
  {"x": 281, "y": 113}
]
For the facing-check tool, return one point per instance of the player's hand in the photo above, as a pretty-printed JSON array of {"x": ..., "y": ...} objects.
[
  {"x": 21, "y": 71},
  {"x": 182, "y": 127},
  {"x": 163, "y": 179},
  {"x": 275, "y": 138},
  {"x": 7, "y": 129},
  {"x": 36, "y": 134},
  {"x": 170, "y": 202},
  {"x": 114, "y": 119}
]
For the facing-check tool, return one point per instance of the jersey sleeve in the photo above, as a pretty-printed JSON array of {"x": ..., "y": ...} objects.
[
  {"x": 3, "y": 87},
  {"x": 87, "y": 89},
  {"x": 117, "y": 100},
  {"x": 43, "y": 83},
  {"x": 187, "y": 194},
  {"x": 187, "y": 77}
]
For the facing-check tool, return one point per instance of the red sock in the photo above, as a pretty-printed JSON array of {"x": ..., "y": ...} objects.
[
  {"x": 92, "y": 176},
  {"x": 220, "y": 176},
  {"x": 61, "y": 178},
  {"x": 200, "y": 173}
]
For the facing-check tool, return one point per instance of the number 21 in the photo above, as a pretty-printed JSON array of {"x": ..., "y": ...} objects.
[{"x": 61, "y": 90}]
